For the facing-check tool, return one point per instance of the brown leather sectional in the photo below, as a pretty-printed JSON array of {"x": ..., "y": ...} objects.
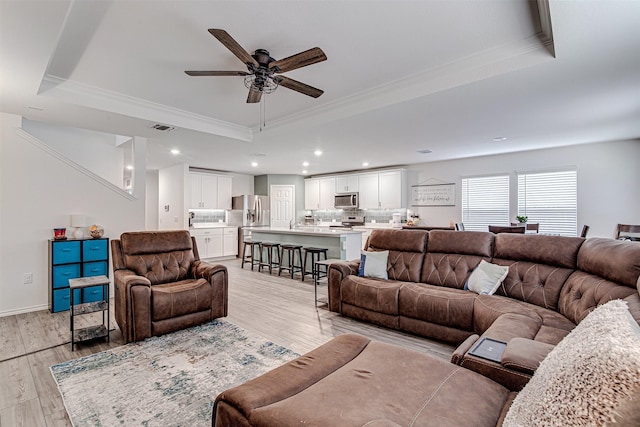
[
  {"x": 552, "y": 284},
  {"x": 162, "y": 286}
]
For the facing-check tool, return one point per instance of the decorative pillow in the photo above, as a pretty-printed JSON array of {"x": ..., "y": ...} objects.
[
  {"x": 373, "y": 264},
  {"x": 486, "y": 278},
  {"x": 588, "y": 377}
]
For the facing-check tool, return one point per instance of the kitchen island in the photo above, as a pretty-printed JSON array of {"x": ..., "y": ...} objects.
[{"x": 342, "y": 243}]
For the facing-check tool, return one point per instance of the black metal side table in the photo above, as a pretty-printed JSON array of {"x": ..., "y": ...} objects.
[
  {"x": 86, "y": 305},
  {"x": 317, "y": 274}
]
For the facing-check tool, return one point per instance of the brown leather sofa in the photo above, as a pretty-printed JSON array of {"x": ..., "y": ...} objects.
[
  {"x": 162, "y": 286},
  {"x": 552, "y": 284}
]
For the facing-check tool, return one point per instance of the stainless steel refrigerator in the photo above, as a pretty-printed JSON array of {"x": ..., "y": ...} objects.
[{"x": 248, "y": 211}]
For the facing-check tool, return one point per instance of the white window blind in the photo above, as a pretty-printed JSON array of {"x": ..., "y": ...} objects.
[
  {"x": 485, "y": 201},
  {"x": 550, "y": 198}
]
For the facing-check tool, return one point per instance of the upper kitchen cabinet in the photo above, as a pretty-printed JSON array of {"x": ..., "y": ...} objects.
[
  {"x": 327, "y": 193},
  {"x": 311, "y": 194},
  {"x": 392, "y": 189},
  {"x": 225, "y": 185},
  {"x": 368, "y": 193},
  {"x": 209, "y": 191},
  {"x": 319, "y": 193},
  {"x": 383, "y": 190},
  {"x": 346, "y": 183}
]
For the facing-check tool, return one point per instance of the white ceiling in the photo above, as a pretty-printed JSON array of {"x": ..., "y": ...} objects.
[{"x": 401, "y": 76}]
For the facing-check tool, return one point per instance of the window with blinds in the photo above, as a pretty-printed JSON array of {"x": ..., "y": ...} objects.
[
  {"x": 485, "y": 201},
  {"x": 551, "y": 199}
]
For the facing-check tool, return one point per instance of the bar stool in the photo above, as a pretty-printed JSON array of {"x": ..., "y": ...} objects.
[
  {"x": 315, "y": 256},
  {"x": 269, "y": 262},
  {"x": 291, "y": 265},
  {"x": 251, "y": 258}
]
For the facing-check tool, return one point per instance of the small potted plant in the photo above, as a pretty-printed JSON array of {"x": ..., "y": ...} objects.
[{"x": 522, "y": 219}]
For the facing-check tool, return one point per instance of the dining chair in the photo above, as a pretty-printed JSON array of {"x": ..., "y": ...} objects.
[
  {"x": 520, "y": 229},
  {"x": 585, "y": 230},
  {"x": 459, "y": 226},
  {"x": 623, "y": 230},
  {"x": 530, "y": 226}
]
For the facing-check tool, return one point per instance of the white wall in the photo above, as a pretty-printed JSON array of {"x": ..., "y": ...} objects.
[
  {"x": 608, "y": 181},
  {"x": 151, "y": 202},
  {"x": 38, "y": 192},
  {"x": 93, "y": 150},
  {"x": 172, "y": 213}
]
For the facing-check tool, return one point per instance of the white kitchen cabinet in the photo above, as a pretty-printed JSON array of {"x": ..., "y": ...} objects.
[
  {"x": 210, "y": 242},
  {"x": 347, "y": 183},
  {"x": 391, "y": 189},
  {"x": 230, "y": 241},
  {"x": 368, "y": 191},
  {"x": 327, "y": 193},
  {"x": 209, "y": 191},
  {"x": 311, "y": 194},
  {"x": 224, "y": 192}
]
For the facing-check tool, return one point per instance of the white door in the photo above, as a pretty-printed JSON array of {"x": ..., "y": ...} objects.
[{"x": 283, "y": 205}]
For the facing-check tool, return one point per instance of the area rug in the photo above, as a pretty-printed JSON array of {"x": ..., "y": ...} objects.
[{"x": 169, "y": 380}]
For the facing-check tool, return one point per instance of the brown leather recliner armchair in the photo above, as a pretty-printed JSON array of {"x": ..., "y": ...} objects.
[{"x": 162, "y": 286}]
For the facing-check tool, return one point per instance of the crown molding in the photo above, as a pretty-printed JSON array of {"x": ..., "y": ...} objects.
[
  {"x": 476, "y": 67},
  {"x": 114, "y": 102},
  {"x": 47, "y": 149}
]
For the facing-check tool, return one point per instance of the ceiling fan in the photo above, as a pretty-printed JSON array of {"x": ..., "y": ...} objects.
[{"x": 261, "y": 76}]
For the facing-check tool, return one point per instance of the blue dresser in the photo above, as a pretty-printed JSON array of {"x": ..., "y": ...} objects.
[{"x": 70, "y": 259}]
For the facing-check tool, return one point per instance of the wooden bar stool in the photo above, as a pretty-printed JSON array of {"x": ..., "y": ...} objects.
[
  {"x": 291, "y": 265},
  {"x": 315, "y": 256},
  {"x": 251, "y": 258},
  {"x": 270, "y": 259}
]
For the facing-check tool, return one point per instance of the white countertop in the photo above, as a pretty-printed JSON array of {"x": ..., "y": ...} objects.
[
  {"x": 304, "y": 231},
  {"x": 210, "y": 225}
]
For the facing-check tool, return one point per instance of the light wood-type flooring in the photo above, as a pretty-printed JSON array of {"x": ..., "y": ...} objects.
[{"x": 280, "y": 309}]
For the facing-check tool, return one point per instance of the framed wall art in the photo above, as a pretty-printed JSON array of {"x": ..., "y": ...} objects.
[{"x": 433, "y": 195}]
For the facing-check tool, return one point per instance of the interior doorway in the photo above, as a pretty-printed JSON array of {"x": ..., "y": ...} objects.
[{"x": 283, "y": 205}]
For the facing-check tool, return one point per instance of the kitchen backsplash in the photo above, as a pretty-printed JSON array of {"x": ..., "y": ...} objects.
[
  {"x": 379, "y": 215},
  {"x": 200, "y": 216}
]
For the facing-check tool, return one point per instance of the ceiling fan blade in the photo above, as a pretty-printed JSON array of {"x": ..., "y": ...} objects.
[
  {"x": 299, "y": 60},
  {"x": 217, "y": 73},
  {"x": 254, "y": 96},
  {"x": 235, "y": 48},
  {"x": 298, "y": 86}
]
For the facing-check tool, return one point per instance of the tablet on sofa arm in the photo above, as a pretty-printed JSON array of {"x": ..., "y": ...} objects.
[{"x": 490, "y": 349}]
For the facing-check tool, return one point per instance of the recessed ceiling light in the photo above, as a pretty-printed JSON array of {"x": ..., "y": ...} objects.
[
  {"x": 365, "y": 164},
  {"x": 175, "y": 151},
  {"x": 425, "y": 151},
  {"x": 305, "y": 164},
  {"x": 500, "y": 138},
  {"x": 254, "y": 164},
  {"x": 318, "y": 152},
  {"x": 304, "y": 172},
  {"x": 129, "y": 167},
  {"x": 34, "y": 107}
]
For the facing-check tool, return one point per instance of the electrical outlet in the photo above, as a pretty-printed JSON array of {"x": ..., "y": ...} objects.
[{"x": 27, "y": 278}]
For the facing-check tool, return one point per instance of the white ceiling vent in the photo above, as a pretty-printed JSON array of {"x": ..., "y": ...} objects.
[{"x": 162, "y": 128}]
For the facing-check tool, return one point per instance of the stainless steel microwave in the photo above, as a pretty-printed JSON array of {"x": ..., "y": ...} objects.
[{"x": 346, "y": 200}]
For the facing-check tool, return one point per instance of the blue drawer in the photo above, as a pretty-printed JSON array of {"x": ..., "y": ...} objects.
[
  {"x": 94, "y": 250},
  {"x": 62, "y": 299},
  {"x": 65, "y": 252},
  {"x": 97, "y": 268},
  {"x": 62, "y": 274},
  {"x": 92, "y": 294}
]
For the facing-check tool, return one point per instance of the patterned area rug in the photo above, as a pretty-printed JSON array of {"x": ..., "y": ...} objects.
[{"x": 170, "y": 380}]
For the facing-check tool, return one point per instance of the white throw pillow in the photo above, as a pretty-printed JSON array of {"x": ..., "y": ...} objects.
[
  {"x": 375, "y": 264},
  {"x": 486, "y": 278},
  {"x": 590, "y": 374}
]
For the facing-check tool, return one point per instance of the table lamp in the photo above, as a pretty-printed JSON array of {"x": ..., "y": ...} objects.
[{"x": 78, "y": 222}]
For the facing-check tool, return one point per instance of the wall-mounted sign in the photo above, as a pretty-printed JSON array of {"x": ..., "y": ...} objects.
[{"x": 433, "y": 195}]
